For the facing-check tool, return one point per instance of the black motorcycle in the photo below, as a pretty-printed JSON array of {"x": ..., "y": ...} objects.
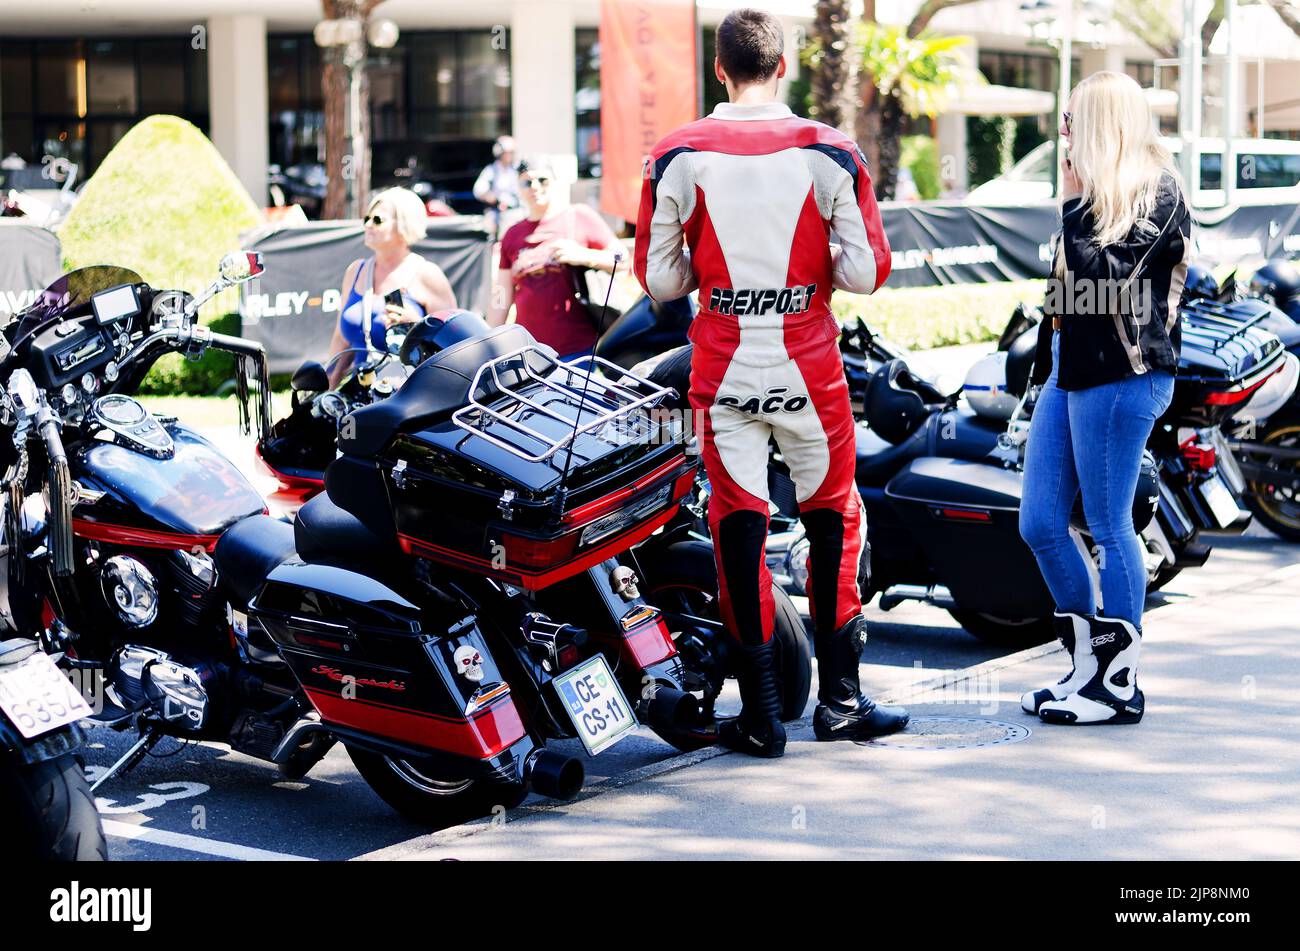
[
  {"x": 454, "y": 600},
  {"x": 46, "y": 809}
]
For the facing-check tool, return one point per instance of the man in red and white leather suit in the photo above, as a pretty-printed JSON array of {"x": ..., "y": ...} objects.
[{"x": 756, "y": 192}]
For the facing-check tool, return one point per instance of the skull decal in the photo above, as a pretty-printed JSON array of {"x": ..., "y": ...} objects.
[
  {"x": 623, "y": 581},
  {"x": 469, "y": 663}
]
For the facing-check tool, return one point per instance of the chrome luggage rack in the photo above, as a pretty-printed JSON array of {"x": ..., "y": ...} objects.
[{"x": 580, "y": 387}]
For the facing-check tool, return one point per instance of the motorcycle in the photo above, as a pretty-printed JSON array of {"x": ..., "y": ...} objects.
[
  {"x": 1263, "y": 433},
  {"x": 410, "y": 611},
  {"x": 46, "y": 809},
  {"x": 674, "y": 566}
]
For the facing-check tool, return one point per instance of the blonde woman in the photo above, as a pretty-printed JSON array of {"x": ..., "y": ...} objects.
[
  {"x": 395, "y": 219},
  {"x": 1106, "y": 362}
]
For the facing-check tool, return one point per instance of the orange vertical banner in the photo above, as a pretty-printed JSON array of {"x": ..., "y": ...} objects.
[{"x": 647, "y": 89}]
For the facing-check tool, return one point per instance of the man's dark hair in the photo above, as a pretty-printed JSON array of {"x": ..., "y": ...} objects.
[{"x": 749, "y": 44}]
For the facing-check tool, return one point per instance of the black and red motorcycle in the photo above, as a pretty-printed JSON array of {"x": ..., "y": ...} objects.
[{"x": 453, "y": 601}]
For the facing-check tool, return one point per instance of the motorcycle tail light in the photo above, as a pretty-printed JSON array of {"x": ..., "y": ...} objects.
[
  {"x": 537, "y": 553},
  {"x": 1198, "y": 455}
]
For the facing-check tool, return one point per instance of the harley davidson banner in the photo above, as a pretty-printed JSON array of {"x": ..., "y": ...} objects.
[{"x": 647, "y": 89}]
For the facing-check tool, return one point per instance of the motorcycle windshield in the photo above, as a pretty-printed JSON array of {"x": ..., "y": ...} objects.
[{"x": 70, "y": 292}]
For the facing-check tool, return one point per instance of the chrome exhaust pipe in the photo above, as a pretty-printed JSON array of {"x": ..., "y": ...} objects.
[{"x": 552, "y": 774}]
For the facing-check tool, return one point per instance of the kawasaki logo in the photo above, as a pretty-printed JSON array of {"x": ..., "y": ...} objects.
[{"x": 773, "y": 400}]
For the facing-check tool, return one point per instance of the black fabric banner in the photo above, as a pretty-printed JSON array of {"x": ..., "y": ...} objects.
[
  {"x": 955, "y": 243},
  {"x": 293, "y": 307},
  {"x": 30, "y": 259}
]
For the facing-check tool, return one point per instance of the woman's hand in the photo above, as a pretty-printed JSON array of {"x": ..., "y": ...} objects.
[
  {"x": 1071, "y": 187},
  {"x": 393, "y": 314},
  {"x": 567, "y": 251}
]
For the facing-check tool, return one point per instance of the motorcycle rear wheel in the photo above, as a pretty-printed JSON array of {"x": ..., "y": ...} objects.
[
  {"x": 410, "y": 788},
  {"x": 683, "y": 578},
  {"x": 54, "y": 814},
  {"x": 1273, "y": 507},
  {"x": 1005, "y": 631}
]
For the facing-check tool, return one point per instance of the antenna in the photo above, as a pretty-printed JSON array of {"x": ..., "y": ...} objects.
[{"x": 562, "y": 493}]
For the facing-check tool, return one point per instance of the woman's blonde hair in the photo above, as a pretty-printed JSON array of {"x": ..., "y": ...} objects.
[
  {"x": 408, "y": 209},
  {"x": 1116, "y": 152}
]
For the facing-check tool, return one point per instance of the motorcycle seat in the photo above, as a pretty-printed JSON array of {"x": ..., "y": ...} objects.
[
  {"x": 950, "y": 434},
  {"x": 248, "y": 551},
  {"x": 325, "y": 532},
  {"x": 436, "y": 388}
]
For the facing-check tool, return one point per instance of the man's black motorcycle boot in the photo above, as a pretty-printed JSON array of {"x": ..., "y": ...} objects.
[
  {"x": 843, "y": 713},
  {"x": 758, "y": 730}
]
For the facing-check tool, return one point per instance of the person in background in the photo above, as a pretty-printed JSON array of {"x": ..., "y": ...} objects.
[
  {"x": 395, "y": 219},
  {"x": 537, "y": 258},
  {"x": 497, "y": 186}
]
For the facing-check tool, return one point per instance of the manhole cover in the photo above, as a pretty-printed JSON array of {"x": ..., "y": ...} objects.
[{"x": 952, "y": 733}]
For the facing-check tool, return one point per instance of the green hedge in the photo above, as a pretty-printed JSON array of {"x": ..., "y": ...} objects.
[
  {"x": 924, "y": 317},
  {"x": 920, "y": 154}
]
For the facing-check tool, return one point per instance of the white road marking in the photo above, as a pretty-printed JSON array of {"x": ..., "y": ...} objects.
[{"x": 194, "y": 843}]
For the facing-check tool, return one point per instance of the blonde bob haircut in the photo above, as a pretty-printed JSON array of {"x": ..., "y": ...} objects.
[
  {"x": 1116, "y": 151},
  {"x": 408, "y": 210}
]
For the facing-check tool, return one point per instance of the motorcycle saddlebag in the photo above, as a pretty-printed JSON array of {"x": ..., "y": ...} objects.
[
  {"x": 965, "y": 516},
  {"x": 382, "y": 669}
]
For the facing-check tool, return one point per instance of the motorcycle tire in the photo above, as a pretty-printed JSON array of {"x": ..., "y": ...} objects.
[
  {"x": 1276, "y": 512},
  {"x": 686, "y": 572},
  {"x": 429, "y": 801},
  {"x": 49, "y": 812},
  {"x": 1005, "y": 631}
]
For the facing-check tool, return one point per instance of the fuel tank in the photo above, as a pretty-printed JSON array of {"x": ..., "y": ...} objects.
[{"x": 158, "y": 499}]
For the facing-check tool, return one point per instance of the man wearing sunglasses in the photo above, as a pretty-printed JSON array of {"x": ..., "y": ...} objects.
[
  {"x": 538, "y": 258},
  {"x": 755, "y": 192}
]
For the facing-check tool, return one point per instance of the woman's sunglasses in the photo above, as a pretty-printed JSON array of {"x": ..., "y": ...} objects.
[
  {"x": 1065, "y": 116},
  {"x": 376, "y": 219}
]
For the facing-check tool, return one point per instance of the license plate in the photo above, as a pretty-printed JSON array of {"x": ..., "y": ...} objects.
[
  {"x": 37, "y": 698},
  {"x": 1222, "y": 505},
  {"x": 596, "y": 705},
  {"x": 615, "y": 522}
]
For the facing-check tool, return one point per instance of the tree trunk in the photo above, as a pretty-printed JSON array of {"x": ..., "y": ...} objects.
[
  {"x": 830, "y": 29},
  {"x": 891, "y": 130},
  {"x": 334, "y": 89},
  {"x": 866, "y": 124}
]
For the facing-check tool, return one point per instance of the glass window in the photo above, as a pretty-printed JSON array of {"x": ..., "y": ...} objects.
[
  {"x": 1268, "y": 171},
  {"x": 16, "y": 135},
  {"x": 484, "y": 72},
  {"x": 162, "y": 75},
  {"x": 110, "y": 77},
  {"x": 433, "y": 70},
  {"x": 282, "y": 74},
  {"x": 15, "y": 80},
  {"x": 1211, "y": 169},
  {"x": 198, "y": 77},
  {"x": 57, "y": 70},
  {"x": 587, "y": 101}
]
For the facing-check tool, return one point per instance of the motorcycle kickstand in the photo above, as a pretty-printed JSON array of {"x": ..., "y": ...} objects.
[{"x": 131, "y": 757}]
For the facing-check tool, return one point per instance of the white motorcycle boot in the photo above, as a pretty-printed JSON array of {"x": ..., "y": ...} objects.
[
  {"x": 1111, "y": 695},
  {"x": 1073, "y": 631}
]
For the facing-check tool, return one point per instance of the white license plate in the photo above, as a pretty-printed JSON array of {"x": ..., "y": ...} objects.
[
  {"x": 596, "y": 705},
  {"x": 1220, "y": 500},
  {"x": 37, "y": 698},
  {"x": 615, "y": 522}
]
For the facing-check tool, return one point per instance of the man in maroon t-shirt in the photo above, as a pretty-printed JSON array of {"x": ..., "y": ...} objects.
[{"x": 536, "y": 256}]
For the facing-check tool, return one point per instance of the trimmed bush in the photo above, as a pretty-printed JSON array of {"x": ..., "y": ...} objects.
[
  {"x": 924, "y": 317},
  {"x": 165, "y": 204},
  {"x": 920, "y": 154}
]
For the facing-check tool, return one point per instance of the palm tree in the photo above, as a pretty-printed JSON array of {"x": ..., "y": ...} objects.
[
  {"x": 912, "y": 76},
  {"x": 335, "y": 90},
  {"x": 827, "y": 59}
]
